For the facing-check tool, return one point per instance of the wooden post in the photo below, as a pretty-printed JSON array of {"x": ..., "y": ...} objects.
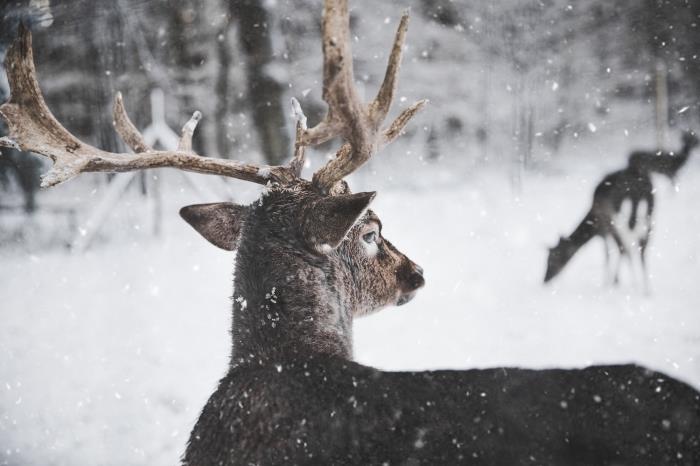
[{"x": 661, "y": 108}]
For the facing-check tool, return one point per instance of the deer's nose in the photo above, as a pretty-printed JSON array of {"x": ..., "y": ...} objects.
[{"x": 416, "y": 280}]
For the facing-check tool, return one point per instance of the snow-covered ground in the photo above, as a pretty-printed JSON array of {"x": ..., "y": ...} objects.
[{"x": 106, "y": 358}]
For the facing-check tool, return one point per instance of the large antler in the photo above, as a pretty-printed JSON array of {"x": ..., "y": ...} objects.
[
  {"x": 358, "y": 123},
  {"x": 33, "y": 128}
]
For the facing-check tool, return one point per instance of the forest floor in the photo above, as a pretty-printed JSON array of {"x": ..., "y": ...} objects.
[{"x": 106, "y": 358}]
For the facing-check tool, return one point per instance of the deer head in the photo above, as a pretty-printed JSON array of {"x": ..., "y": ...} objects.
[
  {"x": 310, "y": 254},
  {"x": 559, "y": 256},
  {"x": 306, "y": 265}
]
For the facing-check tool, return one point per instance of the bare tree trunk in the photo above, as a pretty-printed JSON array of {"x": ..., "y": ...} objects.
[
  {"x": 432, "y": 143},
  {"x": 107, "y": 63},
  {"x": 516, "y": 135},
  {"x": 661, "y": 108},
  {"x": 265, "y": 93},
  {"x": 483, "y": 135},
  {"x": 223, "y": 101},
  {"x": 564, "y": 103},
  {"x": 189, "y": 50},
  {"x": 527, "y": 133}
]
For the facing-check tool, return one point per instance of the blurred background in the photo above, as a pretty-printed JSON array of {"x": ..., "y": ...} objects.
[{"x": 114, "y": 315}]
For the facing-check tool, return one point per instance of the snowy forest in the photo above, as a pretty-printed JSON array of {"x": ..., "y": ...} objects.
[{"x": 116, "y": 315}]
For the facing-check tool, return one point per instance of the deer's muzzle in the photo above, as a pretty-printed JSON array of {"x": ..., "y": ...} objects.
[{"x": 412, "y": 281}]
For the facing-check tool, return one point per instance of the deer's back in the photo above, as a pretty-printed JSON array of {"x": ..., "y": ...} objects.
[
  {"x": 623, "y": 184},
  {"x": 661, "y": 162},
  {"x": 612, "y": 191},
  {"x": 334, "y": 411}
]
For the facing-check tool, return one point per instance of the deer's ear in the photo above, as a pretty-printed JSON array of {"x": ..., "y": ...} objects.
[
  {"x": 220, "y": 223},
  {"x": 330, "y": 219}
]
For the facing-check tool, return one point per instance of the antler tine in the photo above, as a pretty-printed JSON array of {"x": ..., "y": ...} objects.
[
  {"x": 338, "y": 90},
  {"x": 33, "y": 128},
  {"x": 126, "y": 129},
  {"x": 359, "y": 123},
  {"x": 297, "y": 163},
  {"x": 322, "y": 132},
  {"x": 394, "y": 130},
  {"x": 185, "y": 143},
  {"x": 343, "y": 164},
  {"x": 381, "y": 104}
]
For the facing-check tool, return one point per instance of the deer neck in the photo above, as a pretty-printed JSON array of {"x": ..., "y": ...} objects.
[
  {"x": 584, "y": 232},
  {"x": 290, "y": 305},
  {"x": 685, "y": 151}
]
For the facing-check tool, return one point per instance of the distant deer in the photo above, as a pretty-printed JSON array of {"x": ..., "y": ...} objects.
[
  {"x": 621, "y": 214},
  {"x": 311, "y": 257},
  {"x": 662, "y": 162}
]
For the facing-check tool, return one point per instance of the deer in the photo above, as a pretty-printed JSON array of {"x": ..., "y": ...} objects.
[
  {"x": 664, "y": 162},
  {"x": 621, "y": 214},
  {"x": 311, "y": 256}
]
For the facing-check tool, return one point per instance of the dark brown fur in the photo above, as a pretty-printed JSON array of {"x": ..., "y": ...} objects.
[
  {"x": 292, "y": 394},
  {"x": 328, "y": 410}
]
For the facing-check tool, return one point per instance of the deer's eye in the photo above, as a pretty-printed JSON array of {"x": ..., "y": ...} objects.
[{"x": 370, "y": 237}]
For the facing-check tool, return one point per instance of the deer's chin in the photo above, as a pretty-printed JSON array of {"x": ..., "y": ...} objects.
[{"x": 405, "y": 298}]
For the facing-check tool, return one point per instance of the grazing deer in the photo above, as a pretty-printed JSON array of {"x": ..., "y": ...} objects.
[
  {"x": 311, "y": 257},
  {"x": 623, "y": 204}
]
